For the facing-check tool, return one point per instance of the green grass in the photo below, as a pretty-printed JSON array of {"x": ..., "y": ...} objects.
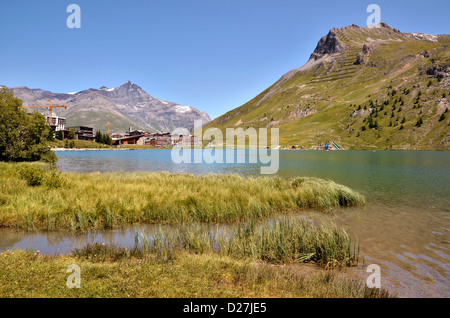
[
  {"x": 287, "y": 240},
  {"x": 84, "y": 201},
  {"x": 25, "y": 274}
]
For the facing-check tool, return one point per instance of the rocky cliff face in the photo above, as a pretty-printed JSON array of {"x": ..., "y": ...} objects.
[
  {"x": 124, "y": 106},
  {"x": 328, "y": 44}
]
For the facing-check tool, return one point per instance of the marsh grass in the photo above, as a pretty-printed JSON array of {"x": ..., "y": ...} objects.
[
  {"x": 102, "y": 253},
  {"x": 84, "y": 201},
  {"x": 24, "y": 274},
  {"x": 287, "y": 240}
]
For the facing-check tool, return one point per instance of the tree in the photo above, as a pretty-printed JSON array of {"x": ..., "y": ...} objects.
[
  {"x": 60, "y": 135},
  {"x": 108, "y": 140},
  {"x": 22, "y": 136},
  {"x": 103, "y": 138},
  {"x": 98, "y": 136},
  {"x": 51, "y": 135},
  {"x": 442, "y": 117},
  {"x": 72, "y": 134}
]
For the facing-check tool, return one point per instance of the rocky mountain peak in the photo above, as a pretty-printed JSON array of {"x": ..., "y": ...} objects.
[
  {"x": 328, "y": 44},
  {"x": 123, "y": 106}
]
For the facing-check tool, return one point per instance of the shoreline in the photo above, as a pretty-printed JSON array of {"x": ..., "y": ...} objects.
[{"x": 86, "y": 149}]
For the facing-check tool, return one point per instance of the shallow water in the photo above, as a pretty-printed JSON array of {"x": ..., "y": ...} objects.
[{"x": 404, "y": 227}]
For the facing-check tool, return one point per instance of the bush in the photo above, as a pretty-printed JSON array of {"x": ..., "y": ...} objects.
[
  {"x": 33, "y": 175},
  {"x": 55, "y": 179},
  {"x": 36, "y": 175}
]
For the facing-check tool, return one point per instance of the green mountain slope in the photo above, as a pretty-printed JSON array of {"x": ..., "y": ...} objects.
[{"x": 363, "y": 89}]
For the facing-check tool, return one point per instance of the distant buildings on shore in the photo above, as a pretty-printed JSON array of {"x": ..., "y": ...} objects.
[
  {"x": 157, "y": 140},
  {"x": 132, "y": 137}
]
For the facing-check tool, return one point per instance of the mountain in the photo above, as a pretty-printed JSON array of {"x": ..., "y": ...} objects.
[
  {"x": 363, "y": 88},
  {"x": 124, "y": 106}
]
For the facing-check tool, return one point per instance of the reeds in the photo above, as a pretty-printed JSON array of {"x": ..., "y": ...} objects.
[
  {"x": 84, "y": 201},
  {"x": 287, "y": 240}
]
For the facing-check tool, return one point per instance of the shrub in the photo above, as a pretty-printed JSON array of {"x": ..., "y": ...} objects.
[
  {"x": 55, "y": 179},
  {"x": 33, "y": 175}
]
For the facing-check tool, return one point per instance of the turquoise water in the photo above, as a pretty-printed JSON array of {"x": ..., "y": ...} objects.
[
  {"x": 404, "y": 227},
  {"x": 396, "y": 177}
]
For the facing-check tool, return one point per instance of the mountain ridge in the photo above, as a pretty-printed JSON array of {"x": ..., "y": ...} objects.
[
  {"x": 123, "y": 106},
  {"x": 352, "y": 69}
]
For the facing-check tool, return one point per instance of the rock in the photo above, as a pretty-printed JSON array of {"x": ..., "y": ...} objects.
[
  {"x": 425, "y": 54},
  {"x": 362, "y": 57},
  {"x": 328, "y": 44},
  {"x": 437, "y": 71},
  {"x": 359, "y": 59}
]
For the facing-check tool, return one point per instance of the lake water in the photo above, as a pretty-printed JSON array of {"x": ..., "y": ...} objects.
[{"x": 404, "y": 227}]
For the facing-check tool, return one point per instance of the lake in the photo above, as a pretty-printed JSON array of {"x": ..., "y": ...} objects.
[{"x": 404, "y": 227}]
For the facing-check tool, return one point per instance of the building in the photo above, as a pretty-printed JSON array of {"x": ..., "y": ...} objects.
[
  {"x": 57, "y": 123},
  {"x": 129, "y": 138},
  {"x": 81, "y": 133},
  {"x": 157, "y": 140}
]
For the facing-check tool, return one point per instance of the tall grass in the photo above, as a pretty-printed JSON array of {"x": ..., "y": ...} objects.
[
  {"x": 287, "y": 240},
  {"x": 83, "y": 201},
  {"x": 190, "y": 275}
]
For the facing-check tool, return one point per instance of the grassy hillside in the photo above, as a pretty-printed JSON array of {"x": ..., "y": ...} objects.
[
  {"x": 100, "y": 119},
  {"x": 362, "y": 88}
]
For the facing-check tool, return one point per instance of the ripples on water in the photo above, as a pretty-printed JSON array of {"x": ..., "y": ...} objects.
[{"x": 404, "y": 227}]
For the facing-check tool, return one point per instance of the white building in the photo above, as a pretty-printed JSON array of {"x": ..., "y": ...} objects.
[{"x": 57, "y": 123}]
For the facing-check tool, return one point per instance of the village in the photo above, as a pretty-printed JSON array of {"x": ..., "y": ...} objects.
[{"x": 131, "y": 137}]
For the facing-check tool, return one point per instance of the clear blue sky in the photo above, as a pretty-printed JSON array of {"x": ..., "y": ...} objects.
[{"x": 214, "y": 55}]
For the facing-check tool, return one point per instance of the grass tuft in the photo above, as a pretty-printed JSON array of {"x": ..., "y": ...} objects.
[{"x": 285, "y": 241}]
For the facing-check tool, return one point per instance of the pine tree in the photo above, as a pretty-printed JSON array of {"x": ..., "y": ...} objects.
[
  {"x": 98, "y": 136},
  {"x": 419, "y": 122}
]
